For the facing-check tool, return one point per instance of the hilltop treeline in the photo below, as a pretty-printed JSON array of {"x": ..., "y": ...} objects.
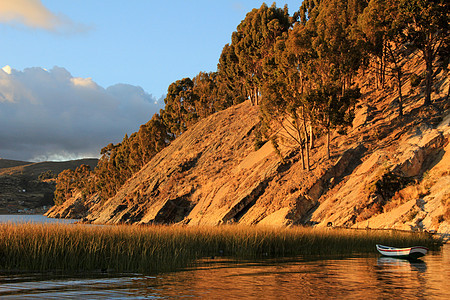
[{"x": 299, "y": 69}]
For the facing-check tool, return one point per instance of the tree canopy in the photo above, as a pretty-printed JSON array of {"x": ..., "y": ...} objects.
[{"x": 253, "y": 42}]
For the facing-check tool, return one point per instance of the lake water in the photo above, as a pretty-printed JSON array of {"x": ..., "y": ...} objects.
[
  {"x": 368, "y": 276},
  {"x": 32, "y": 219}
]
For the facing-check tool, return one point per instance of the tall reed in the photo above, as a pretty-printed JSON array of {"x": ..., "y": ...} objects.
[{"x": 57, "y": 247}]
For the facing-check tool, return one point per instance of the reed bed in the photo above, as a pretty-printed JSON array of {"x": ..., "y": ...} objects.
[{"x": 148, "y": 249}]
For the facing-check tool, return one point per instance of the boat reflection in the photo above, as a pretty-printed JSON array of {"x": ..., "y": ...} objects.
[{"x": 392, "y": 263}]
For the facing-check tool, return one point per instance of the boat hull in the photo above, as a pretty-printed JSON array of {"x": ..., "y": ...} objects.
[{"x": 407, "y": 253}]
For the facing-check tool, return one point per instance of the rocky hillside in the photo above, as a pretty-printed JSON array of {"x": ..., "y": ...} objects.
[
  {"x": 21, "y": 190},
  {"x": 387, "y": 172}
]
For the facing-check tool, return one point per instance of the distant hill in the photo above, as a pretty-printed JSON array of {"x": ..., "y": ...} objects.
[
  {"x": 7, "y": 163},
  {"x": 21, "y": 191},
  {"x": 13, "y": 167}
]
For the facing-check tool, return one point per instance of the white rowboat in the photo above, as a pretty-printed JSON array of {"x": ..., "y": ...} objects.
[{"x": 410, "y": 252}]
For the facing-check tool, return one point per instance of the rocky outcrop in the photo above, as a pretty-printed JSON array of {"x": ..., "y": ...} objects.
[
  {"x": 424, "y": 204},
  {"x": 76, "y": 207},
  {"x": 403, "y": 186}
]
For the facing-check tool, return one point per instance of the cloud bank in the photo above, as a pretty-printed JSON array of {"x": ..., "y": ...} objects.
[
  {"x": 51, "y": 115},
  {"x": 33, "y": 14}
]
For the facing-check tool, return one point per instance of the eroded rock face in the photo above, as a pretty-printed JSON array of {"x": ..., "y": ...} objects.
[
  {"x": 76, "y": 207},
  {"x": 213, "y": 175},
  {"x": 421, "y": 158},
  {"x": 193, "y": 173}
]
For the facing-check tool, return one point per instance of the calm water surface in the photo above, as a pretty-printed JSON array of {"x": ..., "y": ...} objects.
[
  {"x": 358, "y": 277},
  {"x": 32, "y": 219}
]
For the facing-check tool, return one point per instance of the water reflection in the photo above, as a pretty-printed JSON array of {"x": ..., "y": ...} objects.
[
  {"x": 37, "y": 286},
  {"x": 392, "y": 264},
  {"x": 370, "y": 277}
]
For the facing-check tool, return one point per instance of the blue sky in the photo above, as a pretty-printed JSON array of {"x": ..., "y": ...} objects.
[
  {"x": 141, "y": 42},
  {"x": 84, "y": 73}
]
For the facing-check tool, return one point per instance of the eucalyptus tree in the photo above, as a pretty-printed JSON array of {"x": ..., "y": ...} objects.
[
  {"x": 310, "y": 82},
  {"x": 427, "y": 30},
  {"x": 338, "y": 58},
  {"x": 69, "y": 181},
  {"x": 230, "y": 78},
  {"x": 63, "y": 186},
  {"x": 206, "y": 97},
  {"x": 334, "y": 110},
  {"x": 339, "y": 53},
  {"x": 285, "y": 83},
  {"x": 179, "y": 111},
  {"x": 372, "y": 26},
  {"x": 383, "y": 23},
  {"x": 253, "y": 41},
  {"x": 151, "y": 138},
  {"x": 308, "y": 10}
]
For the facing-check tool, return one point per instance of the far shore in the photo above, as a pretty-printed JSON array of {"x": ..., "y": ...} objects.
[{"x": 25, "y": 211}]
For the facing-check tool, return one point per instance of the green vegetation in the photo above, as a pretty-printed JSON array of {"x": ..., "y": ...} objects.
[
  {"x": 149, "y": 249},
  {"x": 300, "y": 70},
  {"x": 47, "y": 175}
]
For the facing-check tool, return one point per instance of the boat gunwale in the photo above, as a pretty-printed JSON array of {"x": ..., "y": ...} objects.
[
  {"x": 394, "y": 249},
  {"x": 408, "y": 253}
]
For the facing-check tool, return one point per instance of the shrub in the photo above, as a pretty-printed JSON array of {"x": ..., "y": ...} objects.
[
  {"x": 415, "y": 79},
  {"x": 47, "y": 175}
]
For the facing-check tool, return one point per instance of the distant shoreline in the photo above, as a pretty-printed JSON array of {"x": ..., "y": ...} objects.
[{"x": 29, "y": 211}]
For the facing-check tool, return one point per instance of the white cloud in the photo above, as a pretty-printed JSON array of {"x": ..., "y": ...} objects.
[
  {"x": 83, "y": 82},
  {"x": 7, "y": 69},
  {"x": 33, "y": 14},
  {"x": 48, "y": 115}
]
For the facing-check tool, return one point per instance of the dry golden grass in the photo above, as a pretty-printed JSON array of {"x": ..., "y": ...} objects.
[{"x": 147, "y": 249}]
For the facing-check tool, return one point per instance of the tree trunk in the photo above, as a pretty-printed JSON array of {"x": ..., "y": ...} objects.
[
  {"x": 251, "y": 95},
  {"x": 311, "y": 136},
  {"x": 400, "y": 95},
  {"x": 305, "y": 131},
  {"x": 301, "y": 78},
  {"x": 302, "y": 156},
  {"x": 383, "y": 64},
  {"x": 448, "y": 92},
  {"x": 377, "y": 73},
  {"x": 428, "y": 76},
  {"x": 328, "y": 143}
]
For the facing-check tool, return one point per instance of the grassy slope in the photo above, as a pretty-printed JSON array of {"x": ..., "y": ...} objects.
[
  {"x": 20, "y": 188},
  {"x": 8, "y": 163},
  {"x": 11, "y": 167}
]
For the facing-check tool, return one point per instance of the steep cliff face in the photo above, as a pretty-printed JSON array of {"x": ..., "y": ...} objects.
[
  {"x": 387, "y": 172},
  {"x": 206, "y": 177},
  {"x": 387, "y": 175},
  {"x": 213, "y": 175}
]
